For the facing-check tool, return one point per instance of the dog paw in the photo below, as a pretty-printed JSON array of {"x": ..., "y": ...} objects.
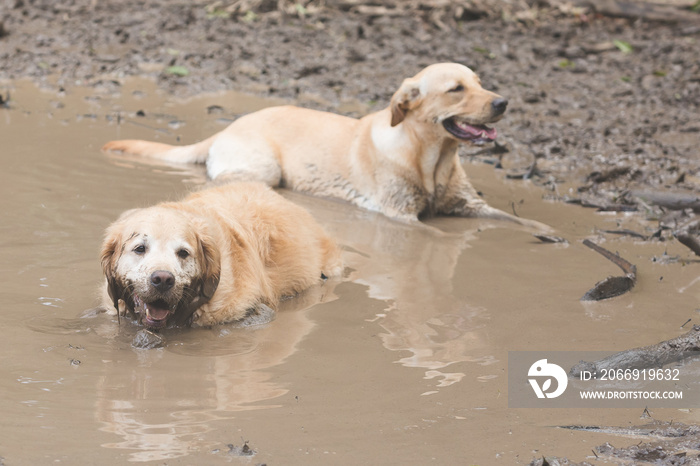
[{"x": 260, "y": 314}]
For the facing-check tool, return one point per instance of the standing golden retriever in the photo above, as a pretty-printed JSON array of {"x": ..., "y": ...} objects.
[
  {"x": 401, "y": 161},
  {"x": 213, "y": 257}
]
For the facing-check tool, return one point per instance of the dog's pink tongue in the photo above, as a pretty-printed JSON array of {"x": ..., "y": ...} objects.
[
  {"x": 489, "y": 133},
  {"x": 156, "y": 313},
  {"x": 478, "y": 131}
]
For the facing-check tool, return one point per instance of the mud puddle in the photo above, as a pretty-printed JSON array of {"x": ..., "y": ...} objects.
[{"x": 403, "y": 361}]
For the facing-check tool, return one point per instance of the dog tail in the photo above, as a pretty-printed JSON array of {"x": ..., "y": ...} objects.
[{"x": 193, "y": 153}]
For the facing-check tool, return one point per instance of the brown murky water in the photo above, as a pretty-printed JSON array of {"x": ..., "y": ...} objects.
[{"x": 403, "y": 361}]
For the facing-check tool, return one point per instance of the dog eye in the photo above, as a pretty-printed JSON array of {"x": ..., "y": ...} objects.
[
  {"x": 140, "y": 249},
  {"x": 457, "y": 88},
  {"x": 183, "y": 254}
]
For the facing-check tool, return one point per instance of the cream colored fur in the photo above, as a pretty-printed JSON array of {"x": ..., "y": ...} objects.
[
  {"x": 401, "y": 161},
  {"x": 241, "y": 245}
]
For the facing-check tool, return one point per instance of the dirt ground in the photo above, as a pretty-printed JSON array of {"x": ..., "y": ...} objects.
[
  {"x": 608, "y": 104},
  {"x": 601, "y": 107}
]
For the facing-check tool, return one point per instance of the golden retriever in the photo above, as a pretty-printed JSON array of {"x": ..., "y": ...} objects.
[
  {"x": 401, "y": 161},
  {"x": 214, "y": 257}
]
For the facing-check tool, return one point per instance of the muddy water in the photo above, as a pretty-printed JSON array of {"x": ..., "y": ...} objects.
[{"x": 403, "y": 361}]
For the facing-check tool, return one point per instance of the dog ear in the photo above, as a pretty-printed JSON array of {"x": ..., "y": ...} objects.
[
  {"x": 111, "y": 247},
  {"x": 406, "y": 98},
  {"x": 210, "y": 260},
  {"x": 211, "y": 265}
]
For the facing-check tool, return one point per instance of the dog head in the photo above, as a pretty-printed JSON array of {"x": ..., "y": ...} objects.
[
  {"x": 161, "y": 263},
  {"x": 449, "y": 96}
]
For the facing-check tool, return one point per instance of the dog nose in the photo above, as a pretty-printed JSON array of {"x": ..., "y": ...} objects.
[
  {"x": 499, "y": 105},
  {"x": 162, "y": 280}
]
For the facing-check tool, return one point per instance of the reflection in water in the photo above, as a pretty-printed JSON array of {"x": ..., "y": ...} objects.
[
  {"x": 153, "y": 441},
  {"x": 161, "y": 417},
  {"x": 423, "y": 316},
  {"x": 411, "y": 268}
]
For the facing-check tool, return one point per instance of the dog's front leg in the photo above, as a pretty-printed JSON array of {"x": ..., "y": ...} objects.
[
  {"x": 459, "y": 198},
  {"x": 259, "y": 314}
]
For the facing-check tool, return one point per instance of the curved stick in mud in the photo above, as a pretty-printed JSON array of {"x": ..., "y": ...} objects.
[
  {"x": 687, "y": 235},
  {"x": 611, "y": 286}
]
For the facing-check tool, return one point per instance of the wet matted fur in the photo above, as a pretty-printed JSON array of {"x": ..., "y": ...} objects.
[{"x": 213, "y": 257}]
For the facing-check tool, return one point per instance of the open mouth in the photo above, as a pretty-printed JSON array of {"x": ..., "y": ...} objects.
[
  {"x": 466, "y": 132},
  {"x": 154, "y": 314}
]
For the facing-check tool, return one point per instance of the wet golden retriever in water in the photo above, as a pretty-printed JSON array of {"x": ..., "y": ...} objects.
[
  {"x": 401, "y": 161},
  {"x": 213, "y": 257}
]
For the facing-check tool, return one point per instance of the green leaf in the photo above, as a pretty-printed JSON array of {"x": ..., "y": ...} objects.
[
  {"x": 565, "y": 63},
  {"x": 215, "y": 11},
  {"x": 177, "y": 70},
  {"x": 624, "y": 47},
  {"x": 485, "y": 52},
  {"x": 250, "y": 16},
  {"x": 300, "y": 9}
]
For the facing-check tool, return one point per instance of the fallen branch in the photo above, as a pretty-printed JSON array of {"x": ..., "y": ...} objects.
[
  {"x": 525, "y": 175},
  {"x": 591, "y": 204},
  {"x": 672, "y": 201},
  {"x": 657, "y": 355},
  {"x": 687, "y": 234},
  {"x": 639, "y": 10},
  {"x": 611, "y": 286},
  {"x": 550, "y": 238},
  {"x": 629, "y": 269},
  {"x": 617, "y": 208},
  {"x": 452, "y": 8},
  {"x": 626, "y": 232}
]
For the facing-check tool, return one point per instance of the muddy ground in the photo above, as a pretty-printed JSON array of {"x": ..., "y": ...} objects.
[
  {"x": 606, "y": 106},
  {"x": 609, "y": 104}
]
